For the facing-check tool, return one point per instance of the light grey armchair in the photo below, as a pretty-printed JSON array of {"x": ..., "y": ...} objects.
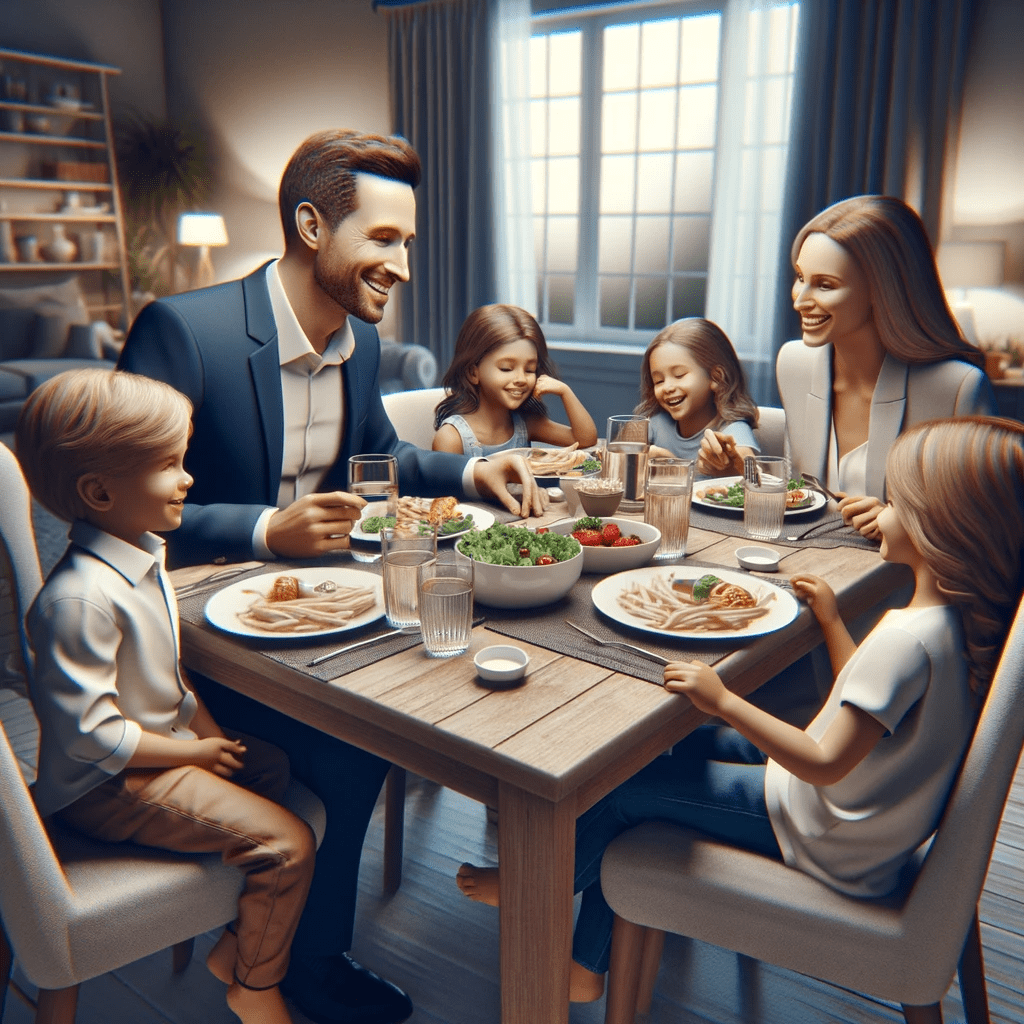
[
  {"x": 72, "y": 908},
  {"x": 905, "y": 947}
]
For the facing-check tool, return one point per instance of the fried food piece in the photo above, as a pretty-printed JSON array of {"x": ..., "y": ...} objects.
[
  {"x": 442, "y": 509},
  {"x": 285, "y": 588}
]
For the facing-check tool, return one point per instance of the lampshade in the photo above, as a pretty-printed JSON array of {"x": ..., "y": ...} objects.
[
  {"x": 971, "y": 264},
  {"x": 202, "y": 229}
]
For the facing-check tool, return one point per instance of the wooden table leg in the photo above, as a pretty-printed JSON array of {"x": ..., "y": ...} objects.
[{"x": 536, "y": 845}]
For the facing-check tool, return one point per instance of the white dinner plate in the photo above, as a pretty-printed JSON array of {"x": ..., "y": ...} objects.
[
  {"x": 817, "y": 498},
  {"x": 223, "y": 607},
  {"x": 481, "y": 520},
  {"x": 782, "y": 610},
  {"x": 552, "y": 480}
]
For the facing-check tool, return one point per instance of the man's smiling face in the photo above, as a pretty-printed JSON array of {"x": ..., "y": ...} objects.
[{"x": 368, "y": 252}]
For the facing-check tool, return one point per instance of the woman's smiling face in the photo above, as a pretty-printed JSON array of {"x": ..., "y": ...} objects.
[{"x": 830, "y": 292}]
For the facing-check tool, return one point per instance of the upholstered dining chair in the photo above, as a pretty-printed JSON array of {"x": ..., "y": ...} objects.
[
  {"x": 72, "y": 908},
  {"x": 905, "y": 947},
  {"x": 771, "y": 430}
]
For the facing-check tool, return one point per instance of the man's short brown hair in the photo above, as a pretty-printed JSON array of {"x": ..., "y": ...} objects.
[{"x": 322, "y": 172}]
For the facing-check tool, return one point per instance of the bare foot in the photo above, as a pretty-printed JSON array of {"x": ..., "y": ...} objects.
[
  {"x": 258, "y": 1007},
  {"x": 584, "y": 986},
  {"x": 221, "y": 960},
  {"x": 480, "y": 884}
]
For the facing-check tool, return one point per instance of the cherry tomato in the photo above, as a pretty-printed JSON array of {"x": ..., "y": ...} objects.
[
  {"x": 542, "y": 529},
  {"x": 544, "y": 560},
  {"x": 524, "y": 552}
]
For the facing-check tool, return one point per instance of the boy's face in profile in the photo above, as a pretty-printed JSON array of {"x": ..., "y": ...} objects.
[{"x": 147, "y": 500}]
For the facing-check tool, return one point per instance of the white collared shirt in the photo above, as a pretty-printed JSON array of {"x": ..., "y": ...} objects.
[{"x": 104, "y": 630}]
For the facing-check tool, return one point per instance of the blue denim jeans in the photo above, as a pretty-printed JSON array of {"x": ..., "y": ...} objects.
[{"x": 712, "y": 781}]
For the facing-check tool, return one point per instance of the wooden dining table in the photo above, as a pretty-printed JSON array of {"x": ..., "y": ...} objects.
[{"x": 541, "y": 753}]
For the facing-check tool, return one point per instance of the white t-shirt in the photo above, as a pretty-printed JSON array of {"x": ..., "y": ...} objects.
[{"x": 910, "y": 674}]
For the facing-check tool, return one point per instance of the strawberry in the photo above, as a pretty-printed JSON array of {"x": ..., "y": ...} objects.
[
  {"x": 588, "y": 538},
  {"x": 626, "y": 542},
  {"x": 610, "y": 534}
]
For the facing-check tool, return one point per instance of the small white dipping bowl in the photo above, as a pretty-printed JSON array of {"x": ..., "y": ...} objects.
[
  {"x": 609, "y": 560},
  {"x": 502, "y": 663},
  {"x": 757, "y": 558}
]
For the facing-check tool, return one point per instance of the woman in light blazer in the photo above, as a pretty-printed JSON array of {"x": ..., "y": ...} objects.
[{"x": 880, "y": 349}]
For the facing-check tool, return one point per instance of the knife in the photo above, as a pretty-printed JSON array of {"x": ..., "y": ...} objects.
[{"x": 404, "y": 631}]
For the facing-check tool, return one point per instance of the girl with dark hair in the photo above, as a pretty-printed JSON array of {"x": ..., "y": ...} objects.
[{"x": 495, "y": 384}]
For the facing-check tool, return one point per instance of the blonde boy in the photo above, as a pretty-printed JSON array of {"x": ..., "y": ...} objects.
[{"x": 127, "y": 751}]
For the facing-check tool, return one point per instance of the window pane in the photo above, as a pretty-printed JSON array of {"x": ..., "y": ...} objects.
[
  {"x": 562, "y": 243},
  {"x": 564, "y": 126},
  {"x": 652, "y": 245},
  {"x": 783, "y": 40},
  {"x": 698, "y": 110},
  {"x": 564, "y": 71},
  {"x": 539, "y": 185},
  {"x": 621, "y": 56},
  {"x": 617, "y": 178},
  {"x": 654, "y": 183},
  {"x": 688, "y": 296},
  {"x": 538, "y": 127},
  {"x": 657, "y": 119},
  {"x": 699, "y": 62},
  {"x": 564, "y": 185},
  {"x": 614, "y": 301},
  {"x": 538, "y": 65},
  {"x": 691, "y": 243},
  {"x": 693, "y": 182},
  {"x": 618, "y": 123},
  {"x": 542, "y": 313},
  {"x": 561, "y": 300},
  {"x": 659, "y": 52},
  {"x": 651, "y": 295},
  {"x": 538, "y": 241},
  {"x": 615, "y": 245}
]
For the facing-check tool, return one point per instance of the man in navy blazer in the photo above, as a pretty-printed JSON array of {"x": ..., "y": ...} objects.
[{"x": 282, "y": 371}]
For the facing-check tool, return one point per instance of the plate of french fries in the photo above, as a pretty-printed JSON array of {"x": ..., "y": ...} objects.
[
  {"x": 290, "y": 603},
  {"x": 548, "y": 464},
  {"x": 693, "y": 603}
]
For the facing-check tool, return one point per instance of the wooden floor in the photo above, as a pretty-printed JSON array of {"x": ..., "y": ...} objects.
[{"x": 443, "y": 948}]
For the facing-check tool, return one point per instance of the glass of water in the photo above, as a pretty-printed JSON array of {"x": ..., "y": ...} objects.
[
  {"x": 625, "y": 458},
  {"x": 446, "y": 605},
  {"x": 403, "y": 550},
  {"x": 375, "y": 478},
  {"x": 764, "y": 497},
  {"x": 667, "y": 492}
]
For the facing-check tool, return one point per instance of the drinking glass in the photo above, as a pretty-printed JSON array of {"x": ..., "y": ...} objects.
[
  {"x": 764, "y": 497},
  {"x": 403, "y": 550},
  {"x": 375, "y": 478},
  {"x": 667, "y": 492},
  {"x": 626, "y": 458},
  {"x": 446, "y": 605}
]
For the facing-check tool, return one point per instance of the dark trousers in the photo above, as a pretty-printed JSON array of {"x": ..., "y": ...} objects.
[{"x": 347, "y": 780}]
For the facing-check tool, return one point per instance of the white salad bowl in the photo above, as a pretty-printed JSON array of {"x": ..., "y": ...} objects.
[
  {"x": 609, "y": 560},
  {"x": 523, "y": 586}
]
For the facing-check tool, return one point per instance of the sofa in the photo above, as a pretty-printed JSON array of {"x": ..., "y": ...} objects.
[{"x": 45, "y": 329}]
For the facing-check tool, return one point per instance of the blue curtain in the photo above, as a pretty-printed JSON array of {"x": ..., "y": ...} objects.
[
  {"x": 439, "y": 63},
  {"x": 878, "y": 90}
]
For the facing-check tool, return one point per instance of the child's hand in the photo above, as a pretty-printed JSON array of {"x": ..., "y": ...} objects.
[
  {"x": 718, "y": 455},
  {"x": 219, "y": 755},
  {"x": 548, "y": 386},
  {"x": 700, "y": 682},
  {"x": 818, "y": 594},
  {"x": 861, "y": 512}
]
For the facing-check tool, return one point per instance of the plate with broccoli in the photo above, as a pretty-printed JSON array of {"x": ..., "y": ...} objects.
[
  {"x": 726, "y": 492},
  {"x": 463, "y": 519}
]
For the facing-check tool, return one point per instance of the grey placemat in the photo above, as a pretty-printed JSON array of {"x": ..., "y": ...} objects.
[
  {"x": 297, "y": 652},
  {"x": 822, "y": 529},
  {"x": 546, "y": 627}
]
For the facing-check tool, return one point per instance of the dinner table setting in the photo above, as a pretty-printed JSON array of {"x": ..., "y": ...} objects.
[{"x": 587, "y": 708}]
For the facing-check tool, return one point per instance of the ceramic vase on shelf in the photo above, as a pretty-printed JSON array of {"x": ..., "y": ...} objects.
[
  {"x": 61, "y": 249},
  {"x": 91, "y": 246},
  {"x": 28, "y": 248},
  {"x": 8, "y": 254}
]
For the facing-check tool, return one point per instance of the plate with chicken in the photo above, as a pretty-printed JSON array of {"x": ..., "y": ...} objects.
[{"x": 453, "y": 519}]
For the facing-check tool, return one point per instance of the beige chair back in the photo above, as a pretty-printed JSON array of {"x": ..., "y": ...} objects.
[
  {"x": 412, "y": 414},
  {"x": 771, "y": 430}
]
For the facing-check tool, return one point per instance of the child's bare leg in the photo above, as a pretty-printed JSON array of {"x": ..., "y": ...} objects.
[
  {"x": 221, "y": 961},
  {"x": 480, "y": 884},
  {"x": 258, "y": 1006}
]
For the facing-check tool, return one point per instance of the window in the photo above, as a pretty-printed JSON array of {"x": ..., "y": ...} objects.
[{"x": 626, "y": 131}]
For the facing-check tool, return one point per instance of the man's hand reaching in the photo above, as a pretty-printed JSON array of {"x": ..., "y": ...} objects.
[
  {"x": 493, "y": 474},
  {"x": 316, "y": 524}
]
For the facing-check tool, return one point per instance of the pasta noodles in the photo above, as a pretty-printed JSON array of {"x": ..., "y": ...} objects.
[
  {"x": 307, "y": 614},
  {"x": 662, "y": 606}
]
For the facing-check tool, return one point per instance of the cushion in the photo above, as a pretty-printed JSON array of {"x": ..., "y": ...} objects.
[
  {"x": 12, "y": 386},
  {"x": 61, "y": 298},
  {"x": 49, "y": 336},
  {"x": 16, "y": 332}
]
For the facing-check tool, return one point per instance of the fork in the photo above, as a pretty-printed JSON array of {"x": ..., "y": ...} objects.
[
  {"x": 621, "y": 646},
  {"x": 187, "y": 589},
  {"x": 819, "y": 486}
]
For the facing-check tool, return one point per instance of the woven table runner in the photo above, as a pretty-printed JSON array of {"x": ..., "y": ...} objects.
[
  {"x": 822, "y": 529},
  {"x": 297, "y": 652}
]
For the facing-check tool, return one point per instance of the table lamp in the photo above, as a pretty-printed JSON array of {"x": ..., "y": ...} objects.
[
  {"x": 964, "y": 265},
  {"x": 202, "y": 230}
]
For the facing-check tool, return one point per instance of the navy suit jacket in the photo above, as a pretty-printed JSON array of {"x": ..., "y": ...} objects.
[{"x": 218, "y": 346}]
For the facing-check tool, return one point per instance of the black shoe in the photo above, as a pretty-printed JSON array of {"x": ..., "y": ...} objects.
[{"x": 336, "y": 990}]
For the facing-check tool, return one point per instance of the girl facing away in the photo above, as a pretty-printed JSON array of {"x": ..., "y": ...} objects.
[
  {"x": 849, "y": 799},
  {"x": 693, "y": 389},
  {"x": 495, "y": 383}
]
